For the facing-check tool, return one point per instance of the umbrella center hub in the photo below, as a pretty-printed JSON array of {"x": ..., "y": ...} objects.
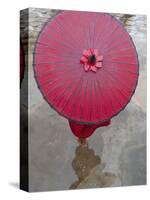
[{"x": 91, "y": 60}]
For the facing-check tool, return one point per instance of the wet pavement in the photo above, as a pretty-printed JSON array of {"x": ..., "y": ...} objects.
[{"x": 112, "y": 156}]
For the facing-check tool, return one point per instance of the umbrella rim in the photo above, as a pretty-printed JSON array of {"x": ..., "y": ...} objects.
[{"x": 33, "y": 63}]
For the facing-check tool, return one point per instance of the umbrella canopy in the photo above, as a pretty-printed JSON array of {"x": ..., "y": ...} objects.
[
  {"x": 86, "y": 66},
  {"x": 22, "y": 63}
]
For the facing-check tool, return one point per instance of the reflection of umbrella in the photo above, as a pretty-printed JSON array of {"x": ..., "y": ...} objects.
[
  {"x": 22, "y": 63},
  {"x": 86, "y": 67}
]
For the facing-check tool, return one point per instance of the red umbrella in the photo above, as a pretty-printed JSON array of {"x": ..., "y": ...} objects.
[
  {"x": 86, "y": 67},
  {"x": 22, "y": 63}
]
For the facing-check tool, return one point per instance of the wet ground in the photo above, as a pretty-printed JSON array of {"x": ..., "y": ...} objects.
[{"x": 113, "y": 156}]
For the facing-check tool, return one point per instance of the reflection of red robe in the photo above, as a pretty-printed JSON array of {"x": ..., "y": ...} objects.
[
  {"x": 84, "y": 130},
  {"x": 22, "y": 64}
]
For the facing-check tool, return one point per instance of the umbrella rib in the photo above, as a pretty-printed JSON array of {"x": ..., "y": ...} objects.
[
  {"x": 106, "y": 83},
  {"x": 116, "y": 79},
  {"x": 51, "y": 81},
  {"x": 105, "y": 31},
  {"x": 46, "y": 94},
  {"x": 62, "y": 94},
  {"x": 89, "y": 33},
  {"x": 75, "y": 100},
  {"x": 95, "y": 22},
  {"x": 67, "y": 40},
  {"x": 54, "y": 55},
  {"x": 67, "y": 32},
  {"x": 83, "y": 99},
  {"x": 109, "y": 42},
  {"x": 94, "y": 40},
  {"x": 59, "y": 60},
  {"x": 124, "y": 95},
  {"x": 55, "y": 70},
  {"x": 85, "y": 34},
  {"x": 57, "y": 98},
  {"x": 56, "y": 40},
  {"x": 118, "y": 69},
  {"x": 52, "y": 38},
  {"x": 61, "y": 66},
  {"x": 124, "y": 56},
  {"x": 122, "y": 70},
  {"x": 113, "y": 92},
  {"x": 102, "y": 30},
  {"x": 80, "y": 80},
  {"x": 58, "y": 86},
  {"x": 90, "y": 101},
  {"x": 52, "y": 62},
  {"x": 105, "y": 35},
  {"x": 58, "y": 72},
  {"x": 116, "y": 45},
  {"x": 112, "y": 40},
  {"x": 102, "y": 95},
  {"x": 82, "y": 38},
  {"x": 121, "y": 63},
  {"x": 120, "y": 50},
  {"x": 79, "y": 39},
  {"x": 61, "y": 31},
  {"x": 95, "y": 92},
  {"x": 49, "y": 47}
]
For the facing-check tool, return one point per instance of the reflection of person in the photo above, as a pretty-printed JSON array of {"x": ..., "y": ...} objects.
[
  {"x": 89, "y": 169},
  {"x": 85, "y": 160}
]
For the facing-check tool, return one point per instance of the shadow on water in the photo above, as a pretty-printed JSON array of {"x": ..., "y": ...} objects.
[{"x": 84, "y": 165}]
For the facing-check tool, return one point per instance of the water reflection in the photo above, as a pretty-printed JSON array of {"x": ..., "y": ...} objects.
[
  {"x": 125, "y": 18},
  {"x": 88, "y": 168},
  {"x": 85, "y": 160}
]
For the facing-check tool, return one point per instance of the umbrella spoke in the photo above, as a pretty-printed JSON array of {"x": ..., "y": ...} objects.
[
  {"x": 118, "y": 51},
  {"x": 113, "y": 93},
  {"x": 68, "y": 33},
  {"x": 76, "y": 99},
  {"x": 71, "y": 94},
  {"x": 100, "y": 33},
  {"x": 106, "y": 34},
  {"x": 121, "y": 63},
  {"x": 100, "y": 91},
  {"x": 118, "y": 80}
]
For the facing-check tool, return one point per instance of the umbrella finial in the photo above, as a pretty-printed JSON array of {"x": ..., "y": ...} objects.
[{"x": 91, "y": 60}]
